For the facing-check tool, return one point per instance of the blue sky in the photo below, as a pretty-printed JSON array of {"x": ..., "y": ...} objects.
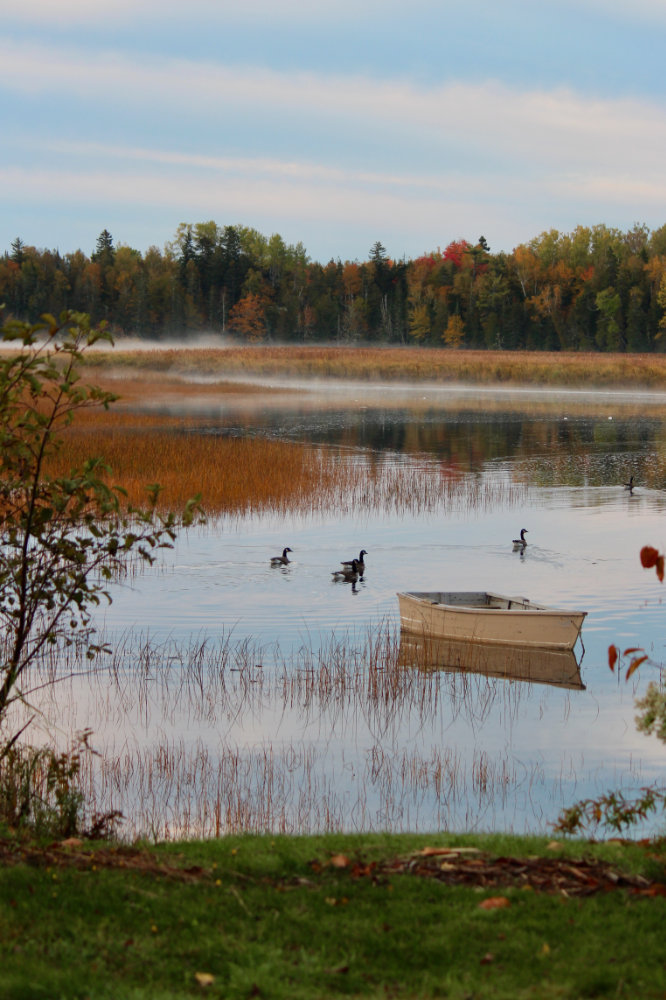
[{"x": 334, "y": 124}]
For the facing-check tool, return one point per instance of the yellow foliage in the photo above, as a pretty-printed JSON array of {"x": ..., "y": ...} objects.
[{"x": 455, "y": 332}]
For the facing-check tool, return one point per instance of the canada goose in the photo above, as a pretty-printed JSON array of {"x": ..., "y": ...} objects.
[
  {"x": 630, "y": 485},
  {"x": 348, "y": 573},
  {"x": 360, "y": 562},
  {"x": 520, "y": 543},
  {"x": 281, "y": 560}
]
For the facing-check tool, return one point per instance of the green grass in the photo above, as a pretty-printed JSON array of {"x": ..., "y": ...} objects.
[{"x": 271, "y": 917}]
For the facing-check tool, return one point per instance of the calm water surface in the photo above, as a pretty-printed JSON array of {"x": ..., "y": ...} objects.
[{"x": 516, "y": 752}]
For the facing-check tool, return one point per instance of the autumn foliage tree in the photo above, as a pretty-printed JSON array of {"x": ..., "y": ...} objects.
[
  {"x": 455, "y": 331},
  {"x": 595, "y": 288},
  {"x": 248, "y": 319}
]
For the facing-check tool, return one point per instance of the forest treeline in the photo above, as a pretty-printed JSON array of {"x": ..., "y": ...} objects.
[{"x": 596, "y": 288}]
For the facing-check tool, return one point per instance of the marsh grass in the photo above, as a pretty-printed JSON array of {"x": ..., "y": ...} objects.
[
  {"x": 400, "y": 364},
  {"x": 243, "y": 475}
]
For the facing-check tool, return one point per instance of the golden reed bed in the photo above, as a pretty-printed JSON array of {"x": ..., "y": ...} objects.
[
  {"x": 400, "y": 364},
  {"x": 241, "y": 475},
  {"x": 248, "y": 475}
]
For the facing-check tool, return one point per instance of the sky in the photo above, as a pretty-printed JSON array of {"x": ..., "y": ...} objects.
[{"x": 336, "y": 125}]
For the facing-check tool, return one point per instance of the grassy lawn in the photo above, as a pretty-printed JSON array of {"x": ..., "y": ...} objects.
[{"x": 332, "y": 916}]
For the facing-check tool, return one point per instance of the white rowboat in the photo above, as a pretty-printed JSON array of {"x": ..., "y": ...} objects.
[{"x": 477, "y": 616}]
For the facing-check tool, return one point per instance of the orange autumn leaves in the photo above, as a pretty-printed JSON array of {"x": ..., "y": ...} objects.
[
  {"x": 650, "y": 558},
  {"x": 614, "y": 653},
  {"x": 358, "y": 869}
]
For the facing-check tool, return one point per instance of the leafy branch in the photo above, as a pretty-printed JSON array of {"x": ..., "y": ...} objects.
[
  {"x": 63, "y": 539},
  {"x": 613, "y": 810}
]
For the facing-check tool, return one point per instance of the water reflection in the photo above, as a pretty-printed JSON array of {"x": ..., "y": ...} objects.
[
  {"x": 201, "y": 740},
  {"x": 560, "y": 668},
  {"x": 576, "y": 439},
  {"x": 469, "y": 745},
  {"x": 467, "y": 438}
]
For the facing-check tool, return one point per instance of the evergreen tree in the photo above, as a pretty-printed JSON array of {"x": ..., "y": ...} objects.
[
  {"x": 104, "y": 250},
  {"x": 18, "y": 251}
]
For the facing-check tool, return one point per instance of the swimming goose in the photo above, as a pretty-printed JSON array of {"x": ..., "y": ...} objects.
[
  {"x": 630, "y": 485},
  {"x": 360, "y": 562},
  {"x": 348, "y": 573},
  {"x": 281, "y": 560},
  {"x": 520, "y": 543}
]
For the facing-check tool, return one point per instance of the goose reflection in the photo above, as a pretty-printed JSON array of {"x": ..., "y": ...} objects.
[{"x": 348, "y": 574}]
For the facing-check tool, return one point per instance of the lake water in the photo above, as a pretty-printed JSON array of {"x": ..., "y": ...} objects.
[{"x": 454, "y": 751}]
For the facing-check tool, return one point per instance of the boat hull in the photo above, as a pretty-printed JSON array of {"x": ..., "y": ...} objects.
[{"x": 489, "y": 618}]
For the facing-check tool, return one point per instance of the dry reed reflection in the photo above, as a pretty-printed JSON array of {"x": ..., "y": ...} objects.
[{"x": 218, "y": 736}]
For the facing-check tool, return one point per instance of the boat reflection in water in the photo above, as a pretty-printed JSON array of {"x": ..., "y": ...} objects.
[{"x": 557, "y": 667}]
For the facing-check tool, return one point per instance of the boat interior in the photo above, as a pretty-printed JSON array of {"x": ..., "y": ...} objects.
[{"x": 477, "y": 599}]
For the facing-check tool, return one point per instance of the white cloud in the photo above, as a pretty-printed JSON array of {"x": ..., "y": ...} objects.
[
  {"x": 527, "y": 129},
  {"x": 96, "y": 11},
  {"x": 646, "y": 10},
  {"x": 207, "y": 172},
  {"x": 82, "y": 12},
  {"x": 450, "y": 155},
  {"x": 247, "y": 190},
  {"x": 291, "y": 170},
  {"x": 619, "y": 189}
]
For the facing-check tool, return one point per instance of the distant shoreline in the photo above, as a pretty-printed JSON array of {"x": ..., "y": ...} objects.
[{"x": 520, "y": 369}]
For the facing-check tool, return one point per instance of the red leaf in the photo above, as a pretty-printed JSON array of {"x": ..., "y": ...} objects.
[
  {"x": 362, "y": 871},
  {"x": 660, "y": 569},
  {"x": 634, "y": 665},
  {"x": 494, "y": 903},
  {"x": 612, "y": 656},
  {"x": 653, "y": 890},
  {"x": 649, "y": 556}
]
